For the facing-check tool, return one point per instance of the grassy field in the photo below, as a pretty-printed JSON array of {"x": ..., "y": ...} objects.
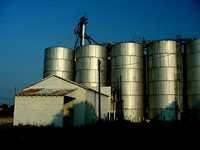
[
  {"x": 108, "y": 133},
  {"x": 108, "y": 130}
]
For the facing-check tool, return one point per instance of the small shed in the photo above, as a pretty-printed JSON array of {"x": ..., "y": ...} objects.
[{"x": 58, "y": 102}]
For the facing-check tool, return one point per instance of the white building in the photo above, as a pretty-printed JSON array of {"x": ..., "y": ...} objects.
[{"x": 56, "y": 101}]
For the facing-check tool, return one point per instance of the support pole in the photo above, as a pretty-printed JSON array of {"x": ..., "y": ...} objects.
[{"x": 99, "y": 71}]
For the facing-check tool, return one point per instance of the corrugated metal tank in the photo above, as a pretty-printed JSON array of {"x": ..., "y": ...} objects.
[
  {"x": 87, "y": 65},
  {"x": 59, "y": 61},
  {"x": 164, "y": 79},
  {"x": 193, "y": 78},
  {"x": 127, "y": 75}
]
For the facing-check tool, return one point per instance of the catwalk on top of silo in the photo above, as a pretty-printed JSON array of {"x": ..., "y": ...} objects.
[
  {"x": 127, "y": 79},
  {"x": 164, "y": 79},
  {"x": 87, "y": 57},
  {"x": 193, "y": 78},
  {"x": 59, "y": 61}
]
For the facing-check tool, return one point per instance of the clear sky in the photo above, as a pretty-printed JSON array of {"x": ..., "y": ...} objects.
[{"x": 27, "y": 27}]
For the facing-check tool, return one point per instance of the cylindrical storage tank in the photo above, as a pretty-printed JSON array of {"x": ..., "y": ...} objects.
[
  {"x": 59, "y": 61},
  {"x": 164, "y": 65},
  {"x": 87, "y": 65},
  {"x": 193, "y": 78},
  {"x": 127, "y": 79}
]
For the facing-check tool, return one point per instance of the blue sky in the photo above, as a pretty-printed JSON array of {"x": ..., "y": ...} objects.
[{"x": 27, "y": 27}]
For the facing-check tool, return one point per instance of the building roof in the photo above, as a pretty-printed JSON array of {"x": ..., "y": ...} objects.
[
  {"x": 44, "y": 92},
  {"x": 72, "y": 82}
]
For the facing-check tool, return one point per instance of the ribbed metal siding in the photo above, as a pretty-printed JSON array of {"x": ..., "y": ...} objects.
[
  {"x": 59, "y": 61},
  {"x": 87, "y": 65},
  {"x": 127, "y": 71},
  {"x": 164, "y": 79},
  {"x": 193, "y": 78}
]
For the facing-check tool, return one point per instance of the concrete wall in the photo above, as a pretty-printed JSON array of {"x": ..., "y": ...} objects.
[
  {"x": 39, "y": 110},
  {"x": 79, "y": 107},
  {"x": 76, "y": 106},
  {"x": 42, "y": 110},
  {"x": 93, "y": 106},
  {"x": 85, "y": 110},
  {"x": 105, "y": 102},
  {"x": 105, "y": 107},
  {"x": 85, "y": 103}
]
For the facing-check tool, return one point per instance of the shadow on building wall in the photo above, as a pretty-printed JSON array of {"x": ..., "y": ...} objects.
[
  {"x": 79, "y": 114},
  {"x": 169, "y": 113},
  {"x": 173, "y": 113},
  {"x": 194, "y": 110}
]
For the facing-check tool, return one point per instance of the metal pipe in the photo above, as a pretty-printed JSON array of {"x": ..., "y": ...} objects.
[{"x": 83, "y": 34}]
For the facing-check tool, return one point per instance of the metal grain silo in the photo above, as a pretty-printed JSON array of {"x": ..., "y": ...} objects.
[
  {"x": 164, "y": 79},
  {"x": 127, "y": 79},
  {"x": 87, "y": 65},
  {"x": 59, "y": 61},
  {"x": 193, "y": 78}
]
